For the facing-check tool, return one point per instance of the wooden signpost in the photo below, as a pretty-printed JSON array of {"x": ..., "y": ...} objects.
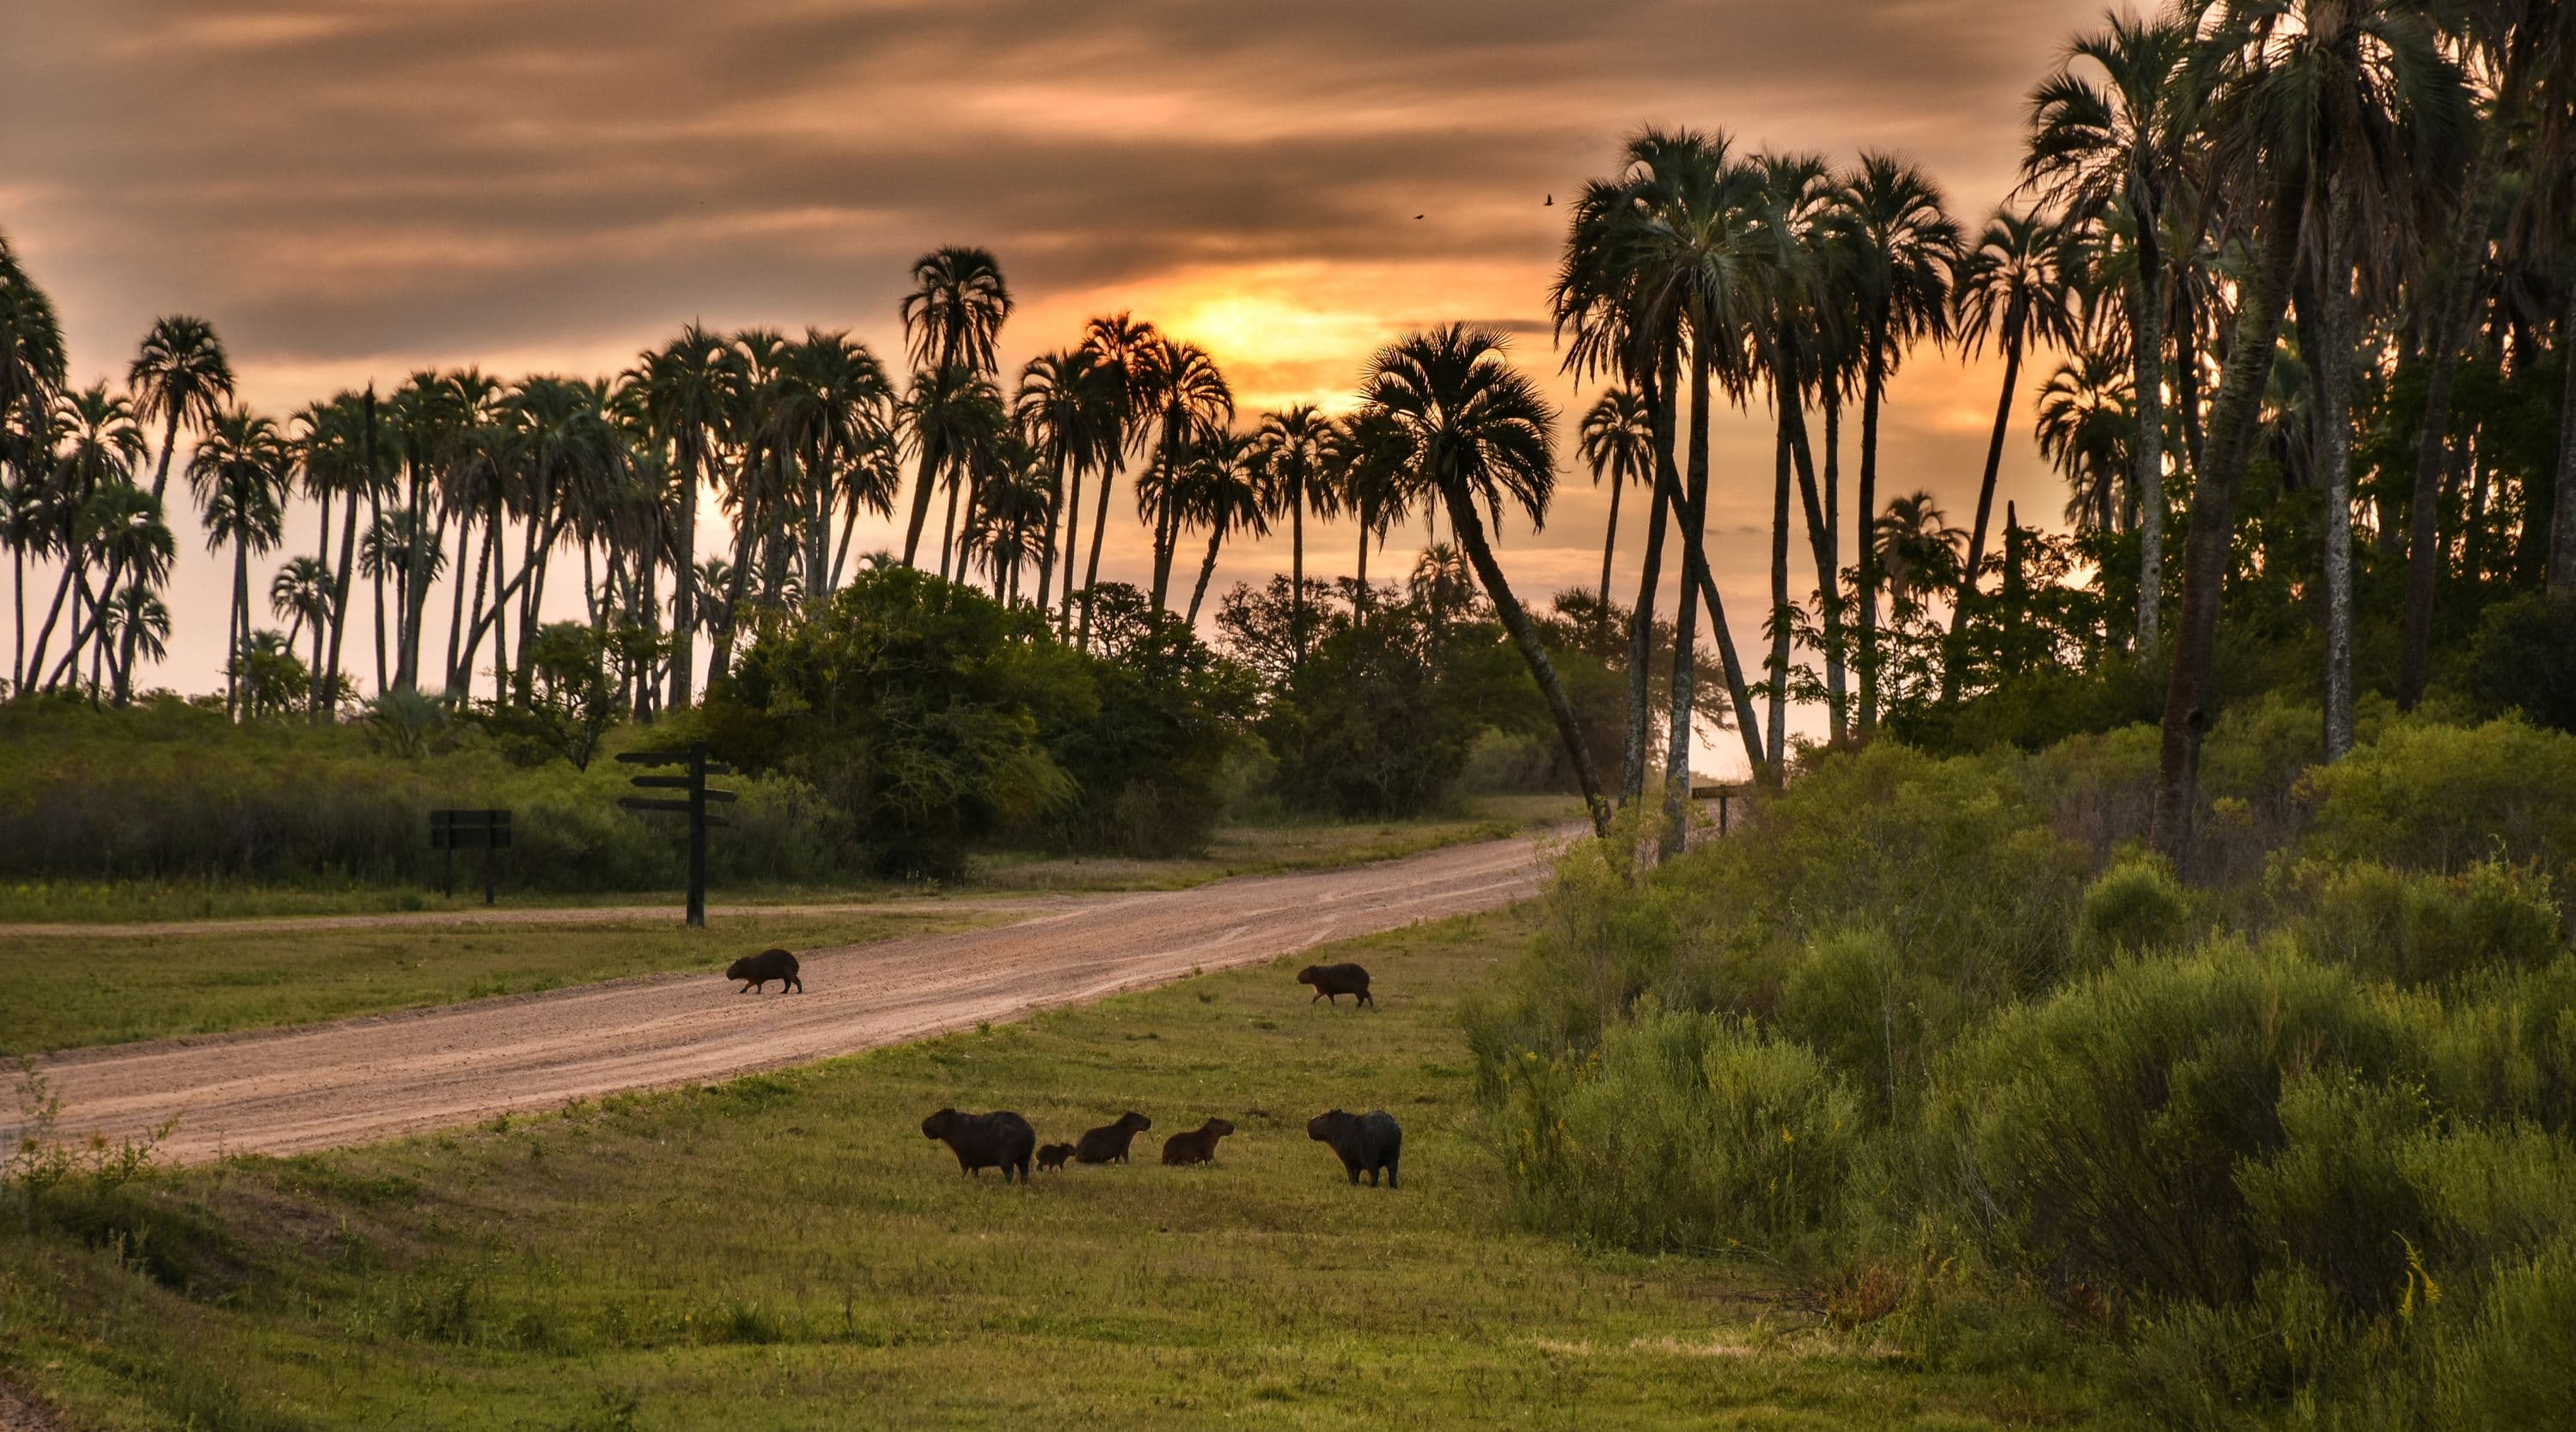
[
  {"x": 484, "y": 830},
  {"x": 693, "y": 805}
]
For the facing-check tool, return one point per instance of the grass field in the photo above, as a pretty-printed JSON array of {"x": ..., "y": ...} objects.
[
  {"x": 1248, "y": 848},
  {"x": 787, "y": 1251},
  {"x": 76, "y": 990}
]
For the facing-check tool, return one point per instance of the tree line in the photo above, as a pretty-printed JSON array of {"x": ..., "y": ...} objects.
[{"x": 2304, "y": 268}]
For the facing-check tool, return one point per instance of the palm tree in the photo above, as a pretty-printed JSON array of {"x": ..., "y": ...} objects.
[
  {"x": 1221, "y": 488},
  {"x": 100, "y": 448},
  {"x": 2087, "y": 421},
  {"x": 1066, "y": 406},
  {"x": 334, "y": 454},
  {"x": 139, "y": 621},
  {"x": 2115, "y": 145},
  {"x": 959, "y": 412},
  {"x": 1917, "y": 548},
  {"x": 122, "y": 526},
  {"x": 239, "y": 474},
  {"x": 683, "y": 388},
  {"x": 1370, "y": 462},
  {"x": 838, "y": 408},
  {"x": 25, "y": 521},
  {"x": 1291, "y": 469},
  {"x": 1480, "y": 433},
  {"x": 182, "y": 377},
  {"x": 951, "y": 318},
  {"x": 2012, "y": 286},
  {"x": 301, "y": 593},
  {"x": 2265, "y": 69},
  {"x": 1617, "y": 437},
  {"x": 1186, "y": 402},
  {"x": 1119, "y": 342},
  {"x": 1907, "y": 250},
  {"x": 1013, "y": 509}
]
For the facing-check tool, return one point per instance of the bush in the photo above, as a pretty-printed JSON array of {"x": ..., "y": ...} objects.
[
  {"x": 2136, "y": 907},
  {"x": 2524, "y": 660},
  {"x": 1686, "y": 1131},
  {"x": 2431, "y": 797},
  {"x": 2506, "y": 1048},
  {"x": 2516, "y": 1367},
  {"x": 1151, "y": 759},
  {"x": 2415, "y": 928},
  {"x": 2099, "y": 1132}
]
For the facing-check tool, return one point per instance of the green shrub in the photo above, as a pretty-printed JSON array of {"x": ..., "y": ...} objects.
[
  {"x": 2443, "y": 798},
  {"x": 2506, "y": 1048},
  {"x": 2134, "y": 908},
  {"x": 2417, "y": 928},
  {"x": 2523, "y": 659},
  {"x": 1684, "y": 1131},
  {"x": 2516, "y": 1365},
  {"x": 2098, "y": 1133}
]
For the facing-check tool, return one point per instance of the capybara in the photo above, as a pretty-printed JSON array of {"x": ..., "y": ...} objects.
[
  {"x": 1108, "y": 1143},
  {"x": 1198, "y": 1145},
  {"x": 1333, "y": 981},
  {"x": 1367, "y": 1142},
  {"x": 997, "y": 1140},
  {"x": 1051, "y": 1158},
  {"x": 760, "y": 969}
]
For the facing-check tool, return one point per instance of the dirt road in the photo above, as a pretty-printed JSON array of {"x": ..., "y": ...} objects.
[{"x": 357, "y": 1080}]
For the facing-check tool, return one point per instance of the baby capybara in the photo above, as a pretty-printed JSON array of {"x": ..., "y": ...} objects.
[
  {"x": 760, "y": 969},
  {"x": 1367, "y": 1142},
  {"x": 1000, "y": 1140},
  {"x": 1196, "y": 1146},
  {"x": 1333, "y": 981},
  {"x": 1108, "y": 1143},
  {"x": 1051, "y": 1158}
]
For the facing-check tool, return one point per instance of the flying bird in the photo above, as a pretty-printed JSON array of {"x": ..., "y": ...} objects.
[
  {"x": 1417, "y": 216},
  {"x": 1551, "y": 202}
]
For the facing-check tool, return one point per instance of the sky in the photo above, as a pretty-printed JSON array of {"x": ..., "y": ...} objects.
[{"x": 356, "y": 189}]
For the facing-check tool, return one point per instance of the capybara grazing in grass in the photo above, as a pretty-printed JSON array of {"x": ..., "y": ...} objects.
[
  {"x": 1000, "y": 1140},
  {"x": 1367, "y": 1142},
  {"x": 1196, "y": 1146},
  {"x": 1051, "y": 1158},
  {"x": 760, "y": 969},
  {"x": 1333, "y": 981},
  {"x": 1108, "y": 1143}
]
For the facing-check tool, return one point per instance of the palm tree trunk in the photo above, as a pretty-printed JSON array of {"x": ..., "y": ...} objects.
[
  {"x": 340, "y": 604},
  {"x": 2464, "y": 253},
  {"x": 375, "y": 524},
  {"x": 948, "y": 540},
  {"x": 455, "y": 684},
  {"x": 923, "y": 481},
  {"x": 1091, "y": 566},
  {"x": 1470, "y": 532},
  {"x": 1072, "y": 531},
  {"x": 18, "y": 617},
  {"x": 737, "y": 585},
  {"x": 841, "y": 554},
  {"x": 1641, "y": 618},
  {"x": 1873, "y": 388},
  {"x": 35, "y": 666},
  {"x": 1207, "y": 569},
  {"x": 169, "y": 445},
  {"x": 1297, "y": 565},
  {"x": 2212, "y": 528},
  {"x": 2146, "y": 316},
  {"x": 1055, "y": 522},
  {"x": 1837, "y": 674},
  {"x": 1966, "y": 595},
  {"x": 460, "y": 671},
  {"x": 1609, "y": 542},
  {"x": 2334, "y": 362},
  {"x": 2187, "y": 373},
  {"x": 684, "y": 584},
  {"x": 241, "y": 628},
  {"x": 497, "y": 618},
  {"x": 1776, "y": 749},
  {"x": 2562, "y": 526},
  {"x": 1360, "y": 581}
]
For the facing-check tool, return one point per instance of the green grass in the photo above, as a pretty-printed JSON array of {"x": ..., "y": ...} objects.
[
  {"x": 787, "y": 1251},
  {"x": 82, "y": 990},
  {"x": 1247, "y": 848}
]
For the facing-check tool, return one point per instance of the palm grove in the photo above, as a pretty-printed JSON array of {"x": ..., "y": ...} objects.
[{"x": 2299, "y": 275}]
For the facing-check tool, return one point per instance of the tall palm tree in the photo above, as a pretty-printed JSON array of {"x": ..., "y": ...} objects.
[
  {"x": 123, "y": 527},
  {"x": 239, "y": 474},
  {"x": 1120, "y": 343},
  {"x": 333, "y": 454},
  {"x": 2268, "y": 70},
  {"x": 1370, "y": 462},
  {"x": 1186, "y": 401},
  {"x": 1617, "y": 438},
  {"x": 139, "y": 622},
  {"x": 1481, "y": 433},
  {"x": 1013, "y": 508},
  {"x": 2114, "y": 143},
  {"x": 2087, "y": 421},
  {"x": 183, "y": 377},
  {"x": 100, "y": 448},
  {"x": 1908, "y": 249},
  {"x": 1221, "y": 489},
  {"x": 837, "y": 409},
  {"x": 25, "y": 521},
  {"x": 951, "y": 318},
  {"x": 2013, "y": 288},
  {"x": 1293, "y": 484},
  {"x": 683, "y": 387},
  {"x": 300, "y": 592},
  {"x": 1066, "y": 406},
  {"x": 1917, "y": 548}
]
